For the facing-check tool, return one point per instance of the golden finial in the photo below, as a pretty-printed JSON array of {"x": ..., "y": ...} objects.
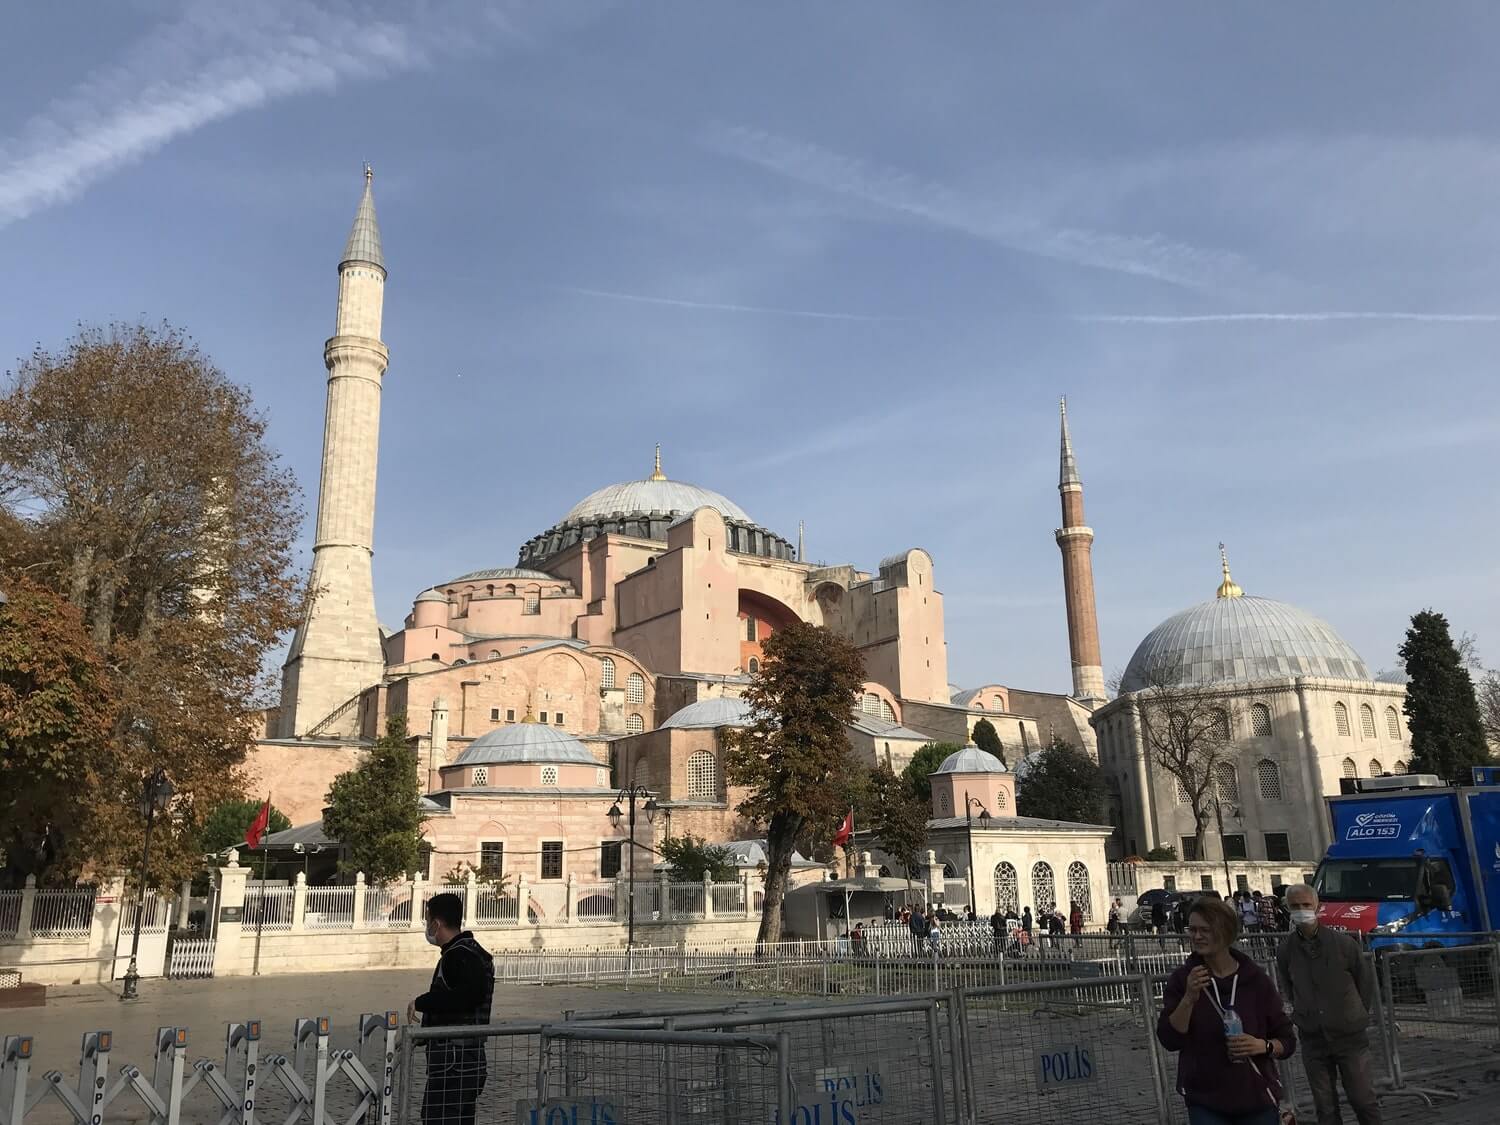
[
  {"x": 1228, "y": 588},
  {"x": 529, "y": 717},
  {"x": 656, "y": 473},
  {"x": 369, "y": 173}
]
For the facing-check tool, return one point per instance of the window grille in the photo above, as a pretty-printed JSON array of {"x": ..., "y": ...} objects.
[
  {"x": 703, "y": 776},
  {"x": 1007, "y": 889},
  {"x": 1043, "y": 891},
  {"x": 1341, "y": 719},
  {"x": 606, "y": 672},
  {"x": 1392, "y": 725},
  {"x": 552, "y": 859},
  {"x": 634, "y": 724},
  {"x": 635, "y": 688},
  {"x": 1260, "y": 721},
  {"x": 549, "y": 775},
  {"x": 1350, "y": 769},
  {"x": 1268, "y": 780},
  {"x": 481, "y": 776},
  {"x": 1079, "y": 890},
  {"x": 1367, "y": 720},
  {"x": 1228, "y": 782}
]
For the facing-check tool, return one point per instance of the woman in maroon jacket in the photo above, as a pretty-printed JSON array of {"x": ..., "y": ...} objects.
[{"x": 1223, "y": 1015}]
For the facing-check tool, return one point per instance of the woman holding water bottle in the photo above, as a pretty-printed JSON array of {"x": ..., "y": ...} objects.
[{"x": 1222, "y": 1014}]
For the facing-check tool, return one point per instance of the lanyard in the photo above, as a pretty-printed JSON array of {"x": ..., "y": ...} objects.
[{"x": 1216, "y": 1001}]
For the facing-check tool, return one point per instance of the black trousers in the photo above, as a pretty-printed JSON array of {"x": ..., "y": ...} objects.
[{"x": 452, "y": 1090}]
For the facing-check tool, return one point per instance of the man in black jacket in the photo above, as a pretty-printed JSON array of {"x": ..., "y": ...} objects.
[{"x": 462, "y": 987}]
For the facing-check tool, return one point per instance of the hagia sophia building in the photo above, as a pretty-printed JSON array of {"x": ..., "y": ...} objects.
[{"x": 617, "y": 646}]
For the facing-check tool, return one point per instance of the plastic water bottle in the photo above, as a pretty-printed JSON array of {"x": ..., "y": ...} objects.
[{"x": 1233, "y": 1025}]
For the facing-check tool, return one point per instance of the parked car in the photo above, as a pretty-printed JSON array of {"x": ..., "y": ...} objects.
[{"x": 1140, "y": 917}]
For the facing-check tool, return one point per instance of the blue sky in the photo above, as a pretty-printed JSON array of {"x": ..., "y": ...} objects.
[{"x": 840, "y": 259}]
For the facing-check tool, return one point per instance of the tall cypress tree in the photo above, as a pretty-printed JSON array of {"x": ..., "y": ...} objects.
[
  {"x": 1441, "y": 710},
  {"x": 987, "y": 738}
]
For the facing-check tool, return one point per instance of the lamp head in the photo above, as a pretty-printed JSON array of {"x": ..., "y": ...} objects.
[
  {"x": 615, "y": 815},
  {"x": 651, "y": 809},
  {"x": 984, "y": 817}
]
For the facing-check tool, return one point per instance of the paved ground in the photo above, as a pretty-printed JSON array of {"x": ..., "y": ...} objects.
[{"x": 206, "y": 1006}]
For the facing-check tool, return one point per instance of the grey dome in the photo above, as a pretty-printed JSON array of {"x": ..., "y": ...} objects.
[
  {"x": 526, "y": 742},
  {"x": 971, "y": 759},
  {"x": 505, "y": 572},
  {"x": 364, "y": 235},
  {"x": 1238, "y": 639},
  {"x": 710, "y": 714},
  {"x": 649, "y": 495},
  {"x": 432, "y": 596}
]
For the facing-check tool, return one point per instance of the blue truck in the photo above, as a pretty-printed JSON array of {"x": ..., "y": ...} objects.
[{"x": 1414, "y": 863}]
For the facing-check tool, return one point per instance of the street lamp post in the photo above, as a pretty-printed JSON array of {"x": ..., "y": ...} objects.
[
  {"x": 630, "y": 795},
  {"x": 156, "y": 793},
  {"x": 970, "y": 804}
]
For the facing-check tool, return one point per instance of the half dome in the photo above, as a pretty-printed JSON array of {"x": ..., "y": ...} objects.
[
  {"x": 1239, "y": 639},
  {"x": 711, "y": 714},
  {"x": 525, "y": 742}
]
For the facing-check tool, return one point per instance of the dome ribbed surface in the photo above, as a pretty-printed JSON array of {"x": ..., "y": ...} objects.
[
  {"x": 526, "y": 742},
  {"x": 971, "y": 759},
  {"x": 505, "y": 572},
  {"x": 1231, "y": 640},
  {"x": 632, "y": 496},
  {"x": 710, "y": 714}
]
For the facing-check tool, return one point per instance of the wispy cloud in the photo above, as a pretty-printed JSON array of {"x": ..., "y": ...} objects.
[
  {"x": 1292, "y": 317},
  {"x": 211, "y": 62},
  {"x": 1002, "y": 222},
  {"x": 839, "y": 437},
  {"x": 715, "y": 306}
]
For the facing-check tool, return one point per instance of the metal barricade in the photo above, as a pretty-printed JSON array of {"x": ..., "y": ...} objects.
[{"x": 1441, "y": 1008}]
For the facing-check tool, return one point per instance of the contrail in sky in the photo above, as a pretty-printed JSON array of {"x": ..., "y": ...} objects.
[
  {"x": 714, "y": 306},
  {"x": 1296, "y": 317}
]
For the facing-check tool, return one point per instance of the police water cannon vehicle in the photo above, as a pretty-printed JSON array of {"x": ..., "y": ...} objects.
[{"x": 1414, "y": 863}]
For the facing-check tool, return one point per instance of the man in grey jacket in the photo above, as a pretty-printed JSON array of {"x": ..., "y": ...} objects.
[{"x": 1331, "y": 988}]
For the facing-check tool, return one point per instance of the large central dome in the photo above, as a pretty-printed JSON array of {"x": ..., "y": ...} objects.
[{"x": 651, "y": 495}]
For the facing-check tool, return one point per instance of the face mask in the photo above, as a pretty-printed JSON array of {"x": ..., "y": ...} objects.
[
  {"x": 432, "y": 938},
  {"x": 1304, "y": 917}
]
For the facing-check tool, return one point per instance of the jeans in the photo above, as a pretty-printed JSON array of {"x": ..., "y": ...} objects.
[
  {"x": 1324, "y": 1063},
  {"x": 1202, "y": 1115},
  {"x": 451, "y": 1093}
]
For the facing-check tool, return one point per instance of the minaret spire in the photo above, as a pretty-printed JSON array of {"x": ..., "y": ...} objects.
[
  {"x": 801, "y": 553},
  {"x": 336, "y": 652},
  {"x": 656, "y": 473},
  {"x": 1228, "y": 588},
  {"x": 1075, "y": 539}
]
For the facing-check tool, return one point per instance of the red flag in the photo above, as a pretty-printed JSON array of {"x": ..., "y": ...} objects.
[
  {"x": 846, "y": 830},
  {"x": 257, "y": 828}
]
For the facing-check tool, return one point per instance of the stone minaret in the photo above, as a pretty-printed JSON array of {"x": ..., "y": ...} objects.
[
  {"x": 336, "y": 652},
  {"x": 1076, "y": 541}
]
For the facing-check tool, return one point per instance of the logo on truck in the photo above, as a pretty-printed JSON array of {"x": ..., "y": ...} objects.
[{"x": 1374, "y": 826}]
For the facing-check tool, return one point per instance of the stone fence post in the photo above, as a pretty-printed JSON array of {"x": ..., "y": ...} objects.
[
  {"x": 471, "y": 898},
  {"x": 622, "y": 903},
  {"x": 664, "y": 889},
  {"x": 708, "y": 897},
  {"x": 299, "y": 903},
  {"x": 104, "y": 929},
  {"x": 418, "y": 920},
  {"x": 28, "y": 909},
  {"x": 359, "y": 900},
  {"x": 523, "y": 900},
  {"x": 570, "y": 905},
  {"x": 230, "y": 924},
  {"x": 745, "y": 892}
]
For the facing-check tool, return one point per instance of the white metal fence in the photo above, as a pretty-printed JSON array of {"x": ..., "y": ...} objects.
[
  {"x": 686, "y": 899},
  {"x": 10, "y": 913},
  {"x": 387, "y": 908},
  {"x": 729, "y": 898},
  {"x": 268, "y": 908},
  {"x": 64, "y": 912},
  {"x": 329, "y": 908},
  {"x": 595, "y": 903},
  {"x": 191, "y": 957}
]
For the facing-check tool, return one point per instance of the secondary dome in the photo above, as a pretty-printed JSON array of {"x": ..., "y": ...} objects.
[
  {"x": 971, "y": 759},
  {"x": 505, "y": 572},
  {"x": 1237, "y": 638},
  {"x": 710, "y": 714},
  {"x": 525, "y": 742}
]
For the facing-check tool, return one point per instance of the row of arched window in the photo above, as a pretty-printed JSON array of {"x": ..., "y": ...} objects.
[
  {"x": 1043, "y": 888},
  {"x": 1366, "y": 721},
  {"x": 872, "y": 704},
  {"x": 1351, "y": 768},
  {"x": 1227, "y": 782},
  {"x": 635, "y": 683}
]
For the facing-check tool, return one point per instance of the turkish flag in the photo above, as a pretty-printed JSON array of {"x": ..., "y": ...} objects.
[
  {"x": 257, "y": 828},
  {"x": 846, "y": 830}
]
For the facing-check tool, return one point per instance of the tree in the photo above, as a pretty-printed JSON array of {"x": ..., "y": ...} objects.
[
  {"x": 226, "y": 825},
  {"x": 1447, "y": 735},
  {"x": 923, "y": 763},
  {"x": 689, "y": 858},
  {"x": 987, "y": 738},
  {"x": 1062, "y": 783},
  {"x": 1488, "y": 692},
  {"x": 1188, "y": 730},
  {"x": 375, "y": 809},
  {"x": 1162, "y": 853},
  {"x": 896, "y": 817},
  {"x": 56, "y": 713},
  {"x": 136, "y": 482},
  {"x": 794, "y": 759}
]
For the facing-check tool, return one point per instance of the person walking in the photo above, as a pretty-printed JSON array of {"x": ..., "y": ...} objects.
[
  {"x": 463, "y": 984},
  {"x": 1222, "y": 1014},
  {"x": 1265, "y": 906},
  {"x": 1159, "y": 916},
  {"x": 1331, "y": 987},
  {"x": 997, "y": 930},
  {"x": 918, "y": 927},
  {"x": 1114, "y": 917},
  {"x": 1249, "y": 919},
  {"x": 935, "y": 938}
]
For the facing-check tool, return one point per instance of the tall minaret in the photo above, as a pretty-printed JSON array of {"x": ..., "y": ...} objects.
[
  {"x": 1076, "y": 541},
  {"x": 336, "y": 652}
]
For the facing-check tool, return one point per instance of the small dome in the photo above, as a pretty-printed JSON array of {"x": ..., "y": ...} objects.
[
  {"x": 711, "y": 714},
  {"x": 432, "y": 596},
  {"x": 633, "y": 496},
  {"x": 971, "y": 759},
  {"x": 1238, "y": 638},
  {"x": 525, "y": 742},
  {"x": 513, "y": 572}
]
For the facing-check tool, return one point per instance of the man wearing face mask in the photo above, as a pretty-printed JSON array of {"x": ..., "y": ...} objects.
[
  {"x": 462, "y": 986},
  {"x": 1331, "y": 987}
]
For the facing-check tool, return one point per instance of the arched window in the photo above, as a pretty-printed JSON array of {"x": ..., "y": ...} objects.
[
  {"x": 999, "y": 703},
  {"x": 549, "y": 775},
  {"x": 1341, "y": 719},
  {"x": 703, "y": 776},
  {"x": 606, "y": 672},
  {"x": 1043, "y": 892},
  {"x": 945, "y": 805},
  {"x": 1367, "y": 720},
  {"x": 1078, "y": 888},
  {"x": 510, "y": 588},
  {"x": 1007, "y": 890},
  {"x": 1400, "y": 766},
  {"x": 459, "y": 661},
  {"x": 1183, "y": 796},
  {"x": 1025, "y": 739},
  {"x": 887, "y": 712},
  {"x": 1260, "y": 720},
  {"x": 435, "y": 656},
  {"x": 494, "y": 654},
  {"x": 949, "y": 871},
  {"x": 1350, "y": 769},
  {"x": 870, "y": 704},
  {"x": 1001, "y": 800},
  {"x": 1376, "y": 770},
  {"x": 634, "y": 724},
  {"x": 754, "y": 665},
  {"x": 481, "y": 776},
  {"x": 1268, "y": 780},
  {"x": 635, "y": 688},
  {"x": 1227, "y": 781},
  {"x": 979, "y": 704},
  {"x": 533, "y": 601},
  {"x": 1392, "y": 725},
  {"x": 1221, "y": 725}
]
